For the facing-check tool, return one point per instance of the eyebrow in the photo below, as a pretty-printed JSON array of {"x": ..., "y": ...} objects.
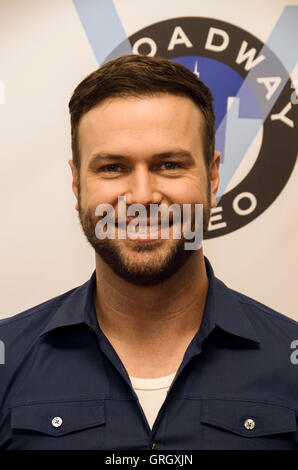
[{"x": 177, "y": 153}]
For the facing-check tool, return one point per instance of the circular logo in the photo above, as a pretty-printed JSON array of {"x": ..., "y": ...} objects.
[{"x": 255, "y": 118}]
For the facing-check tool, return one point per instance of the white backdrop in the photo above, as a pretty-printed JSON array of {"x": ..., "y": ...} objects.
[{"x": 44, "y": 53}]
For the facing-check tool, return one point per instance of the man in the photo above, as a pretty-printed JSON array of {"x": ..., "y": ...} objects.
[{"x": 153, "y": 352}]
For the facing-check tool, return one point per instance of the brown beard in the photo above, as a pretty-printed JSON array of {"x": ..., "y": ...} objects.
[{"x": 147, "y": 274}]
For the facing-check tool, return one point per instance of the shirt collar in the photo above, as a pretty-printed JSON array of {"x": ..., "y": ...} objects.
[
  {"x": 78, "y": 307},
  {"x": 222, "y": 308}
]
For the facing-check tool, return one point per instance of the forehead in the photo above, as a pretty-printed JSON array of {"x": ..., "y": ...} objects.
[{"x": 132, "y": 123}]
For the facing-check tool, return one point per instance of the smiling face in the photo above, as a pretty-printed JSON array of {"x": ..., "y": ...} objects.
[{"x": 150, "y": 150}]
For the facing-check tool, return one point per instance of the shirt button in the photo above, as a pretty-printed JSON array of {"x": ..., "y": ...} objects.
[
  {"x": 56, "y": 422},
  {"x": 249, "y": 423},
  {"x": 154, "y": 445}
]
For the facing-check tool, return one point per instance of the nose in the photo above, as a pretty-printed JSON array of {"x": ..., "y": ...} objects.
[{"x": 142, "y": 188}]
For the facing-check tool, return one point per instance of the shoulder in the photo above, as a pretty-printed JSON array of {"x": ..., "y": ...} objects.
[
  {"x": 21, "y": 332},
  {"x": 265, "y": 318},
  {"x": 263, "y": 310},
  {"x": 33, "y": 315}
]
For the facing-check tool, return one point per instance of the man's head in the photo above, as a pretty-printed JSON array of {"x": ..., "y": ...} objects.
[{"x": 142, "y": 128}]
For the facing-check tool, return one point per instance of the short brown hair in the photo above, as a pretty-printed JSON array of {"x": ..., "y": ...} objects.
[{"x": 139, "y": 75}]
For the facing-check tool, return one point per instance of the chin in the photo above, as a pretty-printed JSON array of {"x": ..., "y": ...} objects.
[{"x": 144, "y": 265}]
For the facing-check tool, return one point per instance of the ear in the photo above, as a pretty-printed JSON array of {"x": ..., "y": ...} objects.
[
  {"x": 214, "y": 177},
  {"x": 75, "y": 182}
]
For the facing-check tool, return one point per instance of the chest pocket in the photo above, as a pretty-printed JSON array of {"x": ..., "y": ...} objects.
[
  {"x": 233, "y": 424},
  {"x": 63, "y": 425}
]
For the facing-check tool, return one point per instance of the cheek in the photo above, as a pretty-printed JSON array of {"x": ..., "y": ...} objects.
[
  {"x": 190, "y": 190},
  {"x": 98, "y": 192}
]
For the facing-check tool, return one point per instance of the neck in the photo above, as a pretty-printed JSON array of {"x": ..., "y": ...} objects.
[{"x": 153, "y": 319}]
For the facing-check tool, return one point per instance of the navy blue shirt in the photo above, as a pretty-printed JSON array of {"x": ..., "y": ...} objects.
[{"x": 63, "y": 385}]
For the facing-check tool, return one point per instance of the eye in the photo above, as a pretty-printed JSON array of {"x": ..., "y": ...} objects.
[
  {"x": 171, "y": 165},
  {"x": 113, "y": 168}
]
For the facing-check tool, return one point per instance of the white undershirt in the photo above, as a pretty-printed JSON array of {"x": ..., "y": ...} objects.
[{"x": 151, "y": 394}]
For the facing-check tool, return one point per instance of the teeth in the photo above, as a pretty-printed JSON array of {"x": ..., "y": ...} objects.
[
  {"x": 146, "y": 228},
  {"x": 142, "y": 228}
]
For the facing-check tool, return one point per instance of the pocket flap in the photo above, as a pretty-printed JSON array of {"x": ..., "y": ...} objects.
[
  {"x": 248, "y": 418},
  {"x": 57, "y": 419}
]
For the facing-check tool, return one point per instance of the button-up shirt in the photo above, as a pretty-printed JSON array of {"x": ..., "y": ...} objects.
[{"x": 63, "y": 386}]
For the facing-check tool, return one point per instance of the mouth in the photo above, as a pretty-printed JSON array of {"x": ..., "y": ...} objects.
[{"x": 145, "y": 231}]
